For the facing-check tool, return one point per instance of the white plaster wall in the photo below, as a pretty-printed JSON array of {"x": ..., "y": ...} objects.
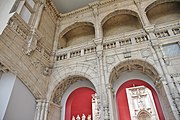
[
  {"x": 1, "y": 74},
  {"x": 73, "y": 87},
  {"x": 6, "y": 86},
  {"x": 125, "y": 76},
  {"x": 5, "y": 7},
  {"x": 22, "y": 103}
]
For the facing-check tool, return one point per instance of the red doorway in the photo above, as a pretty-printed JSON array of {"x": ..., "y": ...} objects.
[
  {"x": 79, "y": 102},
  {"x": 122, "y": 102}
]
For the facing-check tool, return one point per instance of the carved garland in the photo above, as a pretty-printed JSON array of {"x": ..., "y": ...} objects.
[
  {"x": 134, "y": 65},
  {"x": 63, "y": 86}
]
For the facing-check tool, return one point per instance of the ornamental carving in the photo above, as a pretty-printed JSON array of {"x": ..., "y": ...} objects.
[
  {"x": 141, "y": 103},
  {"x": 130, "y": 65},
  {"x": 63, "y": 86}
]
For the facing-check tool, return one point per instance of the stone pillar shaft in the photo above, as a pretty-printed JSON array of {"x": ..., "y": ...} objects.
[
  {"x": 142, "y": 14},
  {"x": 41, "y": 110}
]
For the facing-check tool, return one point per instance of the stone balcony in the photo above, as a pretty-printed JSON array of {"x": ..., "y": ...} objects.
[
  {"x": 125, "y": 42},
  {"x": 31, "y": 37}
]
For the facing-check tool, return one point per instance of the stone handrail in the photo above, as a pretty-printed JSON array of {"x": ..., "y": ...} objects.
[
  {"x": 29, "y": 35},
  {"x": 167, "y": 29},
  {"x": 75, "y": 51},
  {"x": 19, "y": 25}
]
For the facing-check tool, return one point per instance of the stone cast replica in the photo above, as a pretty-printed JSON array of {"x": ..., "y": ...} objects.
[{"x": 141, "y": 103}]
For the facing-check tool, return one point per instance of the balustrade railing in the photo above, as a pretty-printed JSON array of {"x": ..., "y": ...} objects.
[
  {"x": 176, "y": 31},
  {"x": 118, "y": 41},
  {"x": 141, "y": 39},
  {"x": 75, "y": 53},
  {"x": 18, "y": 25},
  {"x": 125, "y": 42},
  {"x": 162, "y": 34},
  {"x": 109, "y": 45},
  {"x": 89, "y": 50}
]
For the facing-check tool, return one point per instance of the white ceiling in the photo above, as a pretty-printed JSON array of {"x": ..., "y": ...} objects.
[{"x": 64, "y": 6}]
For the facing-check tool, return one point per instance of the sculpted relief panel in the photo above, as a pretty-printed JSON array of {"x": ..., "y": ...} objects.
[{"x": 141, "y": 103}]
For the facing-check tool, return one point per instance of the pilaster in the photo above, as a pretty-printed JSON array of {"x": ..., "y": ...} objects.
[
  {"x": 42, "y": 107},
  {"x": 142, "y": 13},
  {"x": 97, "y": 26}
]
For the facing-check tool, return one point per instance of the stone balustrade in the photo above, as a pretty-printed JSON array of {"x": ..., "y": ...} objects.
[
  {"x": 142, "y": 38},
  {"x": 19, "y": 25},
  {"x": 167, "y": 29},
  {"x": 109, "y": 45},
  {"x": 125, "y": 42},
  {"x": 118, "y": 41},
  {"x": 176, "y": 31},
  {"x": 75, "y": 53},
  {"x": 31, "y": 38},
  {"x": 162, "y": 34}
]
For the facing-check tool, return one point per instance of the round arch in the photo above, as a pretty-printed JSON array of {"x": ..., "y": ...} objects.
[
  {"x": 136, "y": 64},
  {"x": 76, "y": 33},
  {"x": 62, "y": 86},
  {"x": 75, "y": 25},
  {"x": 79, "y": 69},
  {"x": 157, "y": 2},
  {"x": 119, "y": 12},
  {"x": 79, "y": 102},
  {"x": 120, "y": 21},
  {"x": 163, "y": 11},
  {"x": 64, "y": 90},
  {"x": 141, "y": 70},
  {"x": 121, "y": 99}
]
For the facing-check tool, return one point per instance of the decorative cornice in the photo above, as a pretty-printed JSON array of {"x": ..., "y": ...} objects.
[
  {"x": 53, "y": 11},
  {"x": 63, "y": 86},
  {"x": 86, "y": 8}
]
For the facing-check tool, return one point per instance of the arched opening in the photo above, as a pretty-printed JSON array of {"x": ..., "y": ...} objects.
[
  {"x": 144, "y": 116},
  {"x": 76, "y": 33},
  {"x": 120, "y": 22},
  {"x": 163, "y": 12},
  {"x": 122, "y": 101},
  {"x": 79, "y": 103},
  {"x": 138, "y": 70},
  {"x": 74, "y": 95}
]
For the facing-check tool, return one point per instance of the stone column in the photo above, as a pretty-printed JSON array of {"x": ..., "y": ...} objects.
[
  {"x": 34, "y": 36},
  {"x": 56, "y": 43},
  {"x": 41, "y": 109},
  {"x": 38, "y": 109},
  {"x": 98, "y": 27},
  {"x": 173, "y": 91},
  {"x": 165, "y": 74},
  {"x": 142, "y": 13},
  {"x": 40, "y": 7},
  {"x": 46, "y": 110},
  {"x": 111, "y": 102},
  {"x": 102, "y": 84}
]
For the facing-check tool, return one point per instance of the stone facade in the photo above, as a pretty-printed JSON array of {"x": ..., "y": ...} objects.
[{"x": 98, "y": 43}]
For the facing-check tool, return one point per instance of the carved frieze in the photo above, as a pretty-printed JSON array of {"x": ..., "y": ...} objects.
[{"x": 63, "y": 86}]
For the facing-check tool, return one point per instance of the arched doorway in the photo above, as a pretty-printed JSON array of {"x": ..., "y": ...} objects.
[
  {"x": 79, "y": 103},
  {"x": 122, "y": 100}
]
